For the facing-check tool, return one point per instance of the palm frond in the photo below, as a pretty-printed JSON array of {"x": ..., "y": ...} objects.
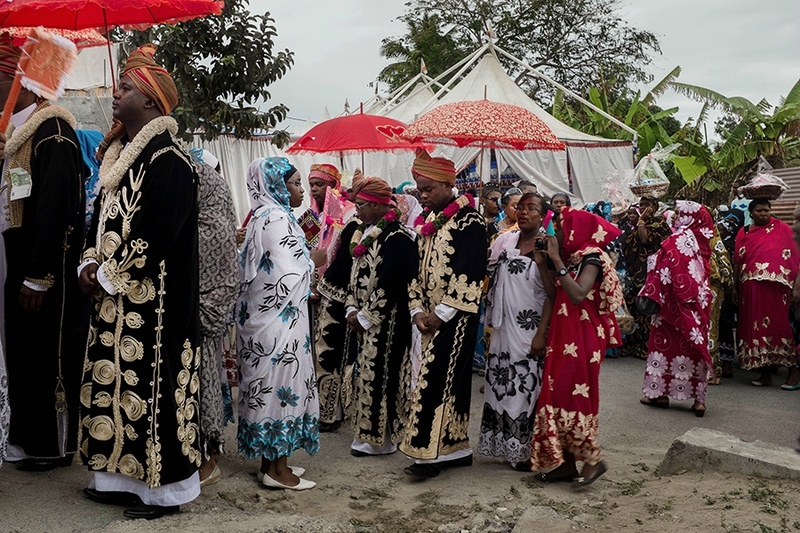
[
  {"x": 700, "y": 94},
  {"x": 660, "y": 87}
]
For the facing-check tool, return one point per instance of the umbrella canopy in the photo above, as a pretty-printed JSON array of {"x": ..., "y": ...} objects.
[
  {"x": 80, "y": 14},
  {"x": 82, "y": 38},
  {"x": 353, "y": 135},
  {"x": 485, "y": 124}
]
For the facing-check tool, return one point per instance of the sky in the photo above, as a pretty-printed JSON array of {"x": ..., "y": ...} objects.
[{"x": 736, "y": 47}]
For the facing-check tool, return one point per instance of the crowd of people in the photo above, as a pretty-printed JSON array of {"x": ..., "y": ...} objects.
[{"x": 371, "y": 310}]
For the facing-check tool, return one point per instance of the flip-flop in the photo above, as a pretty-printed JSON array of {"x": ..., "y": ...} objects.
[
  {"x": 652, "y": 403},
  {"x": 582, "y": 482},
  {"x": 790, "y": 387}
]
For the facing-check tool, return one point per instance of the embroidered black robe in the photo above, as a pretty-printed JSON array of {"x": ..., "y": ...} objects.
[
  {"x": 332, "y": 344},
  {"x": 50, "y": 343},
  {"x": 140, "y": 393},
  {"x": 378, "y": 289},
  {"x": 451, "y": 269}
]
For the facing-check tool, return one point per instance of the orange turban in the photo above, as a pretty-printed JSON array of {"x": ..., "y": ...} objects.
[
  {"x": 372, "y": 190},
  {"x": 9, "y": 55},
  {"x": 327, "y": 173},
  {"x": 434, "y": 168},
  {"x": 152, "y": 80}
]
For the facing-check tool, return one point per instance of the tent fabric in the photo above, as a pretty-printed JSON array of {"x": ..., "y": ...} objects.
[
  {"x": 91, "y": 69},
  {"x": 593, "y": 164},
  {"x": 489, "y": 76}
]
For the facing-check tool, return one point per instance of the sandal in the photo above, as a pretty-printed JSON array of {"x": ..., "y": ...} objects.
[
  {"x": 583, "y": 482},
  {"x": 654, "y": 403},
  {"x": 699, "y": 413},
  {"x": 547, "y": 478}
]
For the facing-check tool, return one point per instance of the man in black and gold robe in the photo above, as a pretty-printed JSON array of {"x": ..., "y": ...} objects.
[
  {"x": 139, "y": 429},
  {"x": 444, "y": 300},
  {"x": 332, "y": 344},
  {"x": 45, "y": 319},
  {"x": 385, "y": 260}
]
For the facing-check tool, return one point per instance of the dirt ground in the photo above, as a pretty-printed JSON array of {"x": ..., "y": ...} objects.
[{"x": 373, "y": 495}]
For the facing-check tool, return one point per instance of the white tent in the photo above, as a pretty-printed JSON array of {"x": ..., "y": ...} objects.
[
  {"x": 587, "y": 161},
  {"x": 582, "y": 167}
]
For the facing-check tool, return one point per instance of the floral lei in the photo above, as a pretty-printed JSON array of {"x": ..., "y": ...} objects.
[
  {"x": 427, "y": 229},
  {"x": 358, "y": 248}
]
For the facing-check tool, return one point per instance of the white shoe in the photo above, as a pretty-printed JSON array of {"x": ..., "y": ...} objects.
[
  {"x": 296, "y": 470},
  {"x": 212, "y": 478},
  {"x": 304, "y": 484}
]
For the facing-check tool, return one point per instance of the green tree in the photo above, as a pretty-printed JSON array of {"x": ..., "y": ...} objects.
[
  {"x": 424, "y": 41},
  {"x": 575, "y": 42},
  {"x": 752, "y": 130},
  {"x": 222, "y": 66}
]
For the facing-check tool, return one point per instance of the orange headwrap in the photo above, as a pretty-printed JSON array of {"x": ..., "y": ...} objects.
[
  {"x": 327, "y": 173},
  {"x": 9, "y": 55},
  {"x": 434, "y": 168},
  {"x": 152, "y": 80},
  {"x": 372, "y": 190}
]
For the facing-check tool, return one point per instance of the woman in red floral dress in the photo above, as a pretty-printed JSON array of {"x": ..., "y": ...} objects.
[
  {"x": 678, "y": 362},
  {"x": 586, "y": 291}
]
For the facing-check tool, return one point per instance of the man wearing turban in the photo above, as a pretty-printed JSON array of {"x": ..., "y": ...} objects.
[
  {"x": 444, "y": 301},
  {"x": 323, "y": 224},
  {"x": 384, "y": 260},
  {"x": 139, "y": 430},
  {"x": 41, "y": 218}
]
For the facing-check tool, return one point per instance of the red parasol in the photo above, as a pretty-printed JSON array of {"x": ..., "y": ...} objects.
[
  {"x": 82, "y": 38},
  {"x": 105, "y": 14},
  {"x": 483, "y": 124},
  {"x": 80, "y": 14},
  {"x": 353, "y": 135}
]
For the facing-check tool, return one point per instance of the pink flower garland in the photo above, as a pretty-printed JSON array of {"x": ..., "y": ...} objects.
[
  {"x": 357, "y": 250},
  {"x": 447, "y": 213}
]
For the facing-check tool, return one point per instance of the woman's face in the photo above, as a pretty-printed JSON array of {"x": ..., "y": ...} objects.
[
  {"x": 529, "y": 214},
  {"x": 633, "y": 216},
  {"x": 558, "y": 202},
  {"x": 510, "y": 207},
  {"x": 761, "y": 215},
  {"x": 295, "y": 187}
]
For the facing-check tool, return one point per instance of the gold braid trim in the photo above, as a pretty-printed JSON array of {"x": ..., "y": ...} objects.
[
  {"x": 19, "y": 148},
  {"x": 116, "y": 164}
]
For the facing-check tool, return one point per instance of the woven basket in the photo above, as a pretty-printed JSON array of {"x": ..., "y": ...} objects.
[
  {"x": 655, "y": 190},
  {"x": 770, "y": 192}
]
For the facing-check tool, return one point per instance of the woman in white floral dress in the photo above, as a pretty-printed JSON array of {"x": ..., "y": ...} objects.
[
  {"x": 517, "y": 311},
  {"x": 278, "y": 403}
]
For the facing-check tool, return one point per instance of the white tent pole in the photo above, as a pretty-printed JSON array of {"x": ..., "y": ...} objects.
[
  {"x": 467, "y": 62},
  {"x": 399, "y": 92},
  {"x": 574, "y": 95}
]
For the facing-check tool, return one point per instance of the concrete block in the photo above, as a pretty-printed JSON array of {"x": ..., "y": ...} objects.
[{"x": 703, "y": 449}]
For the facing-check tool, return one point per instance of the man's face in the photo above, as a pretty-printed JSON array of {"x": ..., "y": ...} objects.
[
  {"x": 318, "y": 189},
  {"x": 433, "y": 194},
  {"x": 129, "y": 102},
  {"x": 490, "y": 209}
]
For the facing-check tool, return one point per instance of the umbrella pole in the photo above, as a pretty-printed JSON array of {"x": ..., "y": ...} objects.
[
  {"x": 110, "y": 59},
  {"x": 480, "y": 175}
]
